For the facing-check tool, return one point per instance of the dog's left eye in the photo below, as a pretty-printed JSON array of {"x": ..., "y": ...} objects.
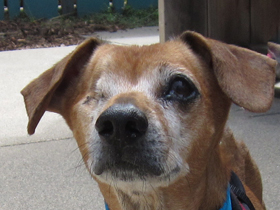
[{"x": 180, "y": 88}]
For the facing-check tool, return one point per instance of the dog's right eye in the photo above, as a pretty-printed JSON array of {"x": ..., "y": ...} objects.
[{"x": 180, "y": 89}]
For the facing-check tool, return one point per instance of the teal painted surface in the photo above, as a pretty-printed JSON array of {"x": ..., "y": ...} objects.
[
  {"x": 87, "y": 7},
  {"x": 49, "y": 8},
  {"x": 41, "y": 8},
  {"x": 142, "y": 4},
  {"x": 14, "y": 8},
  {"x": 1, "y": 9},
  {"x": 118, "y": 5}
]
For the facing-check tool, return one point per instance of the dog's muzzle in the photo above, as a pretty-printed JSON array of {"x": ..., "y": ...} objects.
[{"x": 126, "y": 148}]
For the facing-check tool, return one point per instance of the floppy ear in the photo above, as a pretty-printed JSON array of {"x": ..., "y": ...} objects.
[
  {"x": 246, "y": 77},
  {"x": 39, "y": 93}
]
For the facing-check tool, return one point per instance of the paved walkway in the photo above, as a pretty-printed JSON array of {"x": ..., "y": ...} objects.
[{"x": 45, "y": 171}]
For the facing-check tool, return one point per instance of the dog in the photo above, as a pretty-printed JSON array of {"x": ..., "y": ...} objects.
[
  {"x": 151, "y": 121},
  {"x": 274, "y": 52}
]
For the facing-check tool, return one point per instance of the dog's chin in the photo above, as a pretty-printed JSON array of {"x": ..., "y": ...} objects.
[{"x": 132, "y": 175}]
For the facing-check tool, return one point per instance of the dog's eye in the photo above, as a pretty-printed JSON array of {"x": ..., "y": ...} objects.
[{"x": 180, "y": 88}]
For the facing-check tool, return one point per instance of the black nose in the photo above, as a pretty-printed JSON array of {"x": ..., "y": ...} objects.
[{"x": 122, "y": 124}]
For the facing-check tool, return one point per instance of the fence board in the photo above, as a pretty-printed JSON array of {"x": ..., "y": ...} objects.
[
  {"x": 181, "y": 15},
  {"x": 136, "y": 4},
  {"x": 67, "y": 6},
  {"x": 229, "y": 21},
  {"x": 265, "y": 21},
  {"x": 1, "y": 9},
  {"x": 87, "y": 7},
  {"x": 41, "y": 9},
  {"x": 14, "y": 8}
]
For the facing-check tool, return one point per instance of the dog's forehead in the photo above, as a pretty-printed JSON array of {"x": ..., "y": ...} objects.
[
  {"x": 118, "y": 69},
  {"x": 141, "y": 68},
  {"x": 134, "y": 61}
]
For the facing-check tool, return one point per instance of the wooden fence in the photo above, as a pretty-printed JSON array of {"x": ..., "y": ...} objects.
[
  {"x": 249, "y": 23},
  {"x": 50, "y": 8}
]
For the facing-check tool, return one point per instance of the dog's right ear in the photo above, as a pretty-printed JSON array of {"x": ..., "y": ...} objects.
[{"x": 38, "y": 95}]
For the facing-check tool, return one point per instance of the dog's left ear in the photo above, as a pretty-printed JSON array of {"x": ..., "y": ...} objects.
[
  {"x": 246, "y": 77},
  {"x": 48, "y": 90}
]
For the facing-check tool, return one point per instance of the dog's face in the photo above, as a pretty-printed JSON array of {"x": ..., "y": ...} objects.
[
  {"x": 152, "y": 113},
  {"x": 142, "y": 110}
]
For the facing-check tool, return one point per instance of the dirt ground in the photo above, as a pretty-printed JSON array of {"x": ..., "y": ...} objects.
[{"x": 21, "y": 34}]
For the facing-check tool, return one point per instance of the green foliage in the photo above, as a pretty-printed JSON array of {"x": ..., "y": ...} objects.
[{"x": 129, "y": 18}]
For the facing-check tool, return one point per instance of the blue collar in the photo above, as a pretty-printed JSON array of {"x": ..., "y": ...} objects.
[
  {"x": 226, "y": 206},
  {"x": 106, "y": 206}
]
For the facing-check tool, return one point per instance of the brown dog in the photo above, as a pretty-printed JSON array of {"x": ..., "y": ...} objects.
[
  {"x": 274, "y": 52},
  {"x": 150, "y": 121}
]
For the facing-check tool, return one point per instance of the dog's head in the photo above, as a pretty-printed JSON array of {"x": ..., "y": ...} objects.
[{"x": 141, "y": 113}]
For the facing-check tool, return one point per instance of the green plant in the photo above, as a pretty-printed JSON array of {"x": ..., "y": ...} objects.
[{"x": 129, "y": 18}]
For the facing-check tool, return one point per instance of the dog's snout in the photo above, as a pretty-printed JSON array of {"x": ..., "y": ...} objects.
[{"x": 122, "y": 123}]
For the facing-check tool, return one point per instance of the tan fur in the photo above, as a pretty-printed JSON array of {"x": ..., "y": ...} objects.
[{"x": 193, "y": 137}]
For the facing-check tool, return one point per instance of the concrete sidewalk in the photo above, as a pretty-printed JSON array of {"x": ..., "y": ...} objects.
[{"x": 45, "y": 171}]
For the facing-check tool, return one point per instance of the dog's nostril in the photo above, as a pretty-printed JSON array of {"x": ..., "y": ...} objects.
[
  {"x": 132, "y": 130},
  {"x": 106, "y": 129}
]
